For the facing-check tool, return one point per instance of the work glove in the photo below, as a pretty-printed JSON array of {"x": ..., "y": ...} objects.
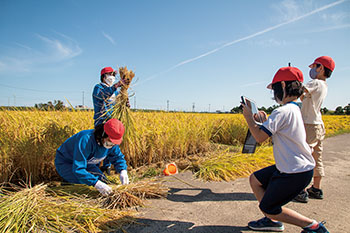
[
  {"x": 103, "y": 188},
  {"x": 124, "y": 178}
]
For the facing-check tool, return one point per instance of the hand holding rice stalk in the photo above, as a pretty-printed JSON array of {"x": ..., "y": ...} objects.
[
  {"x": 122, "y": 112},
  {"x": 124, "y": 196}
]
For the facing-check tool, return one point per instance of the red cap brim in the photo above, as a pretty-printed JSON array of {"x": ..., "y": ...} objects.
[
  {"x": 269, "y": 86},
  {"x": 116, "y": 141}
]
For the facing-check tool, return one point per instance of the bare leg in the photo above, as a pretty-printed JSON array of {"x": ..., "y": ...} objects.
[
  {"x": 287, "y": 215},
  {"x": 317, "y": 182},
  {"x": 291, "y": 217},
  {"x": 257, "y": 188}
]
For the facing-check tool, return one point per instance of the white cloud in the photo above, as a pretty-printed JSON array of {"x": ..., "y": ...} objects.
[
  {"x": 292, "y": 20},
  {"x": 52, "y": 50},
  {"x": 23, "y": 46},
  {"x": 108, "y": 37},
  {"x": 335, "y": 18},
  {"x": 272, "y": 43},
  {"x": 337, "y": 27},
  {"x": 61, "y": 50},
  {"x": 287, "y": 10}
]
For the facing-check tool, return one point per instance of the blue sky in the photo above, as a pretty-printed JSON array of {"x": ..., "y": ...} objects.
[{"x": 201, "y": 52}]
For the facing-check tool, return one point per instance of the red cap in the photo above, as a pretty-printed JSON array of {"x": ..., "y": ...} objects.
[
  {"x": 287, "y": 74},
  {"x": 325, "y": 61},
  {"x": 114, "y": 129},
  {"x": 106, "y": 70}
]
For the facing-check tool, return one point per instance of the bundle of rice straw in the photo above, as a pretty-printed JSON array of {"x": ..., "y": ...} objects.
[
  {"x": 34, "y": 209},
  {"x": 123, "y": 113},
  {"x": 124, "y": 196}
]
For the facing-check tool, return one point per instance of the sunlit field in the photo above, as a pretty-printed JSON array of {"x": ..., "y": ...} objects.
[{"x": 29, "y": 139}]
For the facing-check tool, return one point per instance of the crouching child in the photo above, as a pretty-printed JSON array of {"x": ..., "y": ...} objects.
[{"x": 276, "y": 185}]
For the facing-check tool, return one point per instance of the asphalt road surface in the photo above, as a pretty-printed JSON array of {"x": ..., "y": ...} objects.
[{"x": 214, "y": 207}]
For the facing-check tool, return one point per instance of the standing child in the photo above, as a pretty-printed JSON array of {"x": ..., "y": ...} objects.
[
  {"x": 276, "y": 185},
  {"x": 104, "y": 96},
  {"x": 315, "y": 92}
]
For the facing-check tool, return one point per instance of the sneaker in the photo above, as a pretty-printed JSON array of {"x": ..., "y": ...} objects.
[
  {"x": 106, "y": 169},
  {"x": 321, "y": 229},
  {"x": 315, "y": 193},
  {"x": 302, "y": 197},
  {"x": 266, "y": 224}
]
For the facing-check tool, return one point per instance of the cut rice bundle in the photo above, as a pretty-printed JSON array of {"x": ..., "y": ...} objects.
[
  {"x": 37, "y": 209},
  {"x": 125, "y": 196}
]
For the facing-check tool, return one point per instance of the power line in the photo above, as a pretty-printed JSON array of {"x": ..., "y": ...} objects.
[{"x": 35, "y": 90}]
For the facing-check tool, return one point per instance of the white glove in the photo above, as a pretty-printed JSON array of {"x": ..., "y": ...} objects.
[
  {"x": 124, "y": 178},
  {"x": 103, "y": 188}
]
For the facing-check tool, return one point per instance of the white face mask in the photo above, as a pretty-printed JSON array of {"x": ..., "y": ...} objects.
[
  {"x": 108, "y": 145},
  {"x": 109, "y": 80}
]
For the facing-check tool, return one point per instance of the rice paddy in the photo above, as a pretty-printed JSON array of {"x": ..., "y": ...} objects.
[{"x": 207, "y": 144}]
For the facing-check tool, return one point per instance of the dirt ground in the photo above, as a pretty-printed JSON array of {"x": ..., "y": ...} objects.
[{"x": 228, "y": 206}]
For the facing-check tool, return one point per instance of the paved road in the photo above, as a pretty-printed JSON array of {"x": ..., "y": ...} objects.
[{"x": 228, "y": 206}]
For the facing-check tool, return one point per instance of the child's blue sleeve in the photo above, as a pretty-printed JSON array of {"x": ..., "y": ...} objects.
[
  {"x": 103, "y": 93},
  {"x": 80, "y": 154},
  {"x": 117, "y": 159}
]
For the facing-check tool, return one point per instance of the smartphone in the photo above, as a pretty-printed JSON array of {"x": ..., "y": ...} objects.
[
  {"x": 252, "y": 105},
  {"x": 250, "y": 143}
]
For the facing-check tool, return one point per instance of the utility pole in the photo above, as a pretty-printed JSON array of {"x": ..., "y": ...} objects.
[
  {"x": 83, "y": 99},
  {"x": 193, "y": 107},
  {"x": 209, "y": 108},
  {"x": 167, "y": 105},
  {"x": 8, "y": 102},
  {"x": 135, "y": 102},
  {"x": 14, "y": 100}
]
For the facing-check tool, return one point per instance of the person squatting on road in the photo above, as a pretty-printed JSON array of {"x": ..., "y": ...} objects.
[
  {"x": 315, "y": 92},
  {"x": 104, "y": 99},
  {"x": 276, "y": 185},
  {"x": 77, "y": 159}
]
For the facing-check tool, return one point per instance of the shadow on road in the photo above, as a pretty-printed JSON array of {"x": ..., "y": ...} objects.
[
  {"x": 158, "y": 226},
  {"x": 207, "y": 195}
]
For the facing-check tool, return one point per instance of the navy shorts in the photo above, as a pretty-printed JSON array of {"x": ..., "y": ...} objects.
[{"x": 280, "y": 188}]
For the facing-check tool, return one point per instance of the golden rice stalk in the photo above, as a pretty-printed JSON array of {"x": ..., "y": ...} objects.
[
  {"x": 33, "y": 209},
  {"x": 122, "y": 112},
  {"x": 130, "y": 195}
]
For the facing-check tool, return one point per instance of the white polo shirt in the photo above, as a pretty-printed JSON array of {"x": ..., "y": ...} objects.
[
  {"x": 285, "y": 126},
  {"x": 312, "y": 102}
]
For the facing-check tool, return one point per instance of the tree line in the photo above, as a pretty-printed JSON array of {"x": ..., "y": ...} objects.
[{"x": 340, "y": 110}]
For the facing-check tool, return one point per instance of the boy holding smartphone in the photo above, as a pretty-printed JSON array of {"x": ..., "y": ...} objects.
[{"x": 276, "y": 185}]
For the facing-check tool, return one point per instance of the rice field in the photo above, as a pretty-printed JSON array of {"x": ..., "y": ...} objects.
[{"x": 29, "y": 139}]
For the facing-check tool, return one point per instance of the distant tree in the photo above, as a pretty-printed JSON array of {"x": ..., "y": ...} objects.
[
  {"x": 237, "y": 109},
  {"x": 271, "y": 108},
  {"x": 339, "y": 110},
  {"x": 347, "y": 109},
  {"x": 59, "y": 105},
  {"x": 324, "y": 110},
  {"x": 263, "y": 109},
  {"x": 49, "y": 106}
]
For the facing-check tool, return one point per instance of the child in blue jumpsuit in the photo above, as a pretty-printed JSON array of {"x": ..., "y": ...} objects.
[
  {"x": 104, "y": 99},
  {"x": 276, "y": 185},
  {"x": 77, "y": 159}
]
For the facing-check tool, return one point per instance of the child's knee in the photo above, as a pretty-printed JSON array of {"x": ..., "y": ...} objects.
[{"x": 253, "y": 181}]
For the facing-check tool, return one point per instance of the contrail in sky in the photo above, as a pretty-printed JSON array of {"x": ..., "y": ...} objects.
[{"x": 245, "y": 38}]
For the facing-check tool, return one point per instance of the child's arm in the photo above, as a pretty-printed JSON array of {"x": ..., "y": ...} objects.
[{"x": 255, "y": 130}]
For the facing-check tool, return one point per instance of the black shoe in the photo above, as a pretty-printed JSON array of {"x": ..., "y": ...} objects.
[
  {"x": 315, "y": 193},
  {"x": 302, "y": 197},
  {"x": 321, "y": 229},
  {"x": 106, "y": 169},
  {"x": 266, "y": 224}
]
